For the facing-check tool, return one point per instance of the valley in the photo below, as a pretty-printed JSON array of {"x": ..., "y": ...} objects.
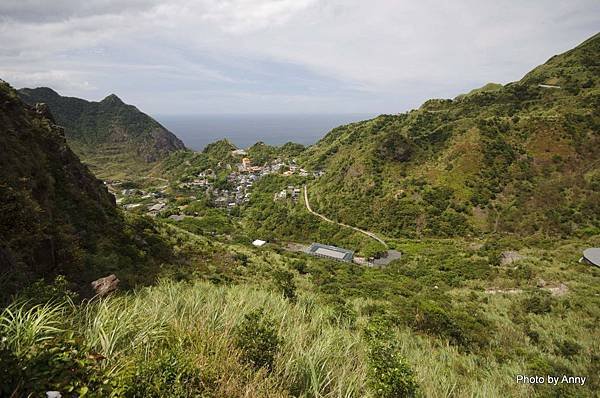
[{"x": 447, "y": 261}]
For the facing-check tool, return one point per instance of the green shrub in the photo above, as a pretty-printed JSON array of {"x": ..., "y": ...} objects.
[
  {"x": 568, "y": 348},
  {"x": 534, "y": 335},
  {"x": 343, "y": 311},
  {"x": 242, "y": 258},
  {"x": 256, "y": 338},
  {"x": 285, "y": 283},
  {"x": 168, "y": 375},
  {"x": 300, "y": 266},
  {"x": 37, "y": 356},
  {"x": 539, "y": 303},
  {"x": 41, "y": 292},
  {"x": 433, "y": 319},
  {"x": 462, "y": 326},
  {"x": 389, "y": 375}
]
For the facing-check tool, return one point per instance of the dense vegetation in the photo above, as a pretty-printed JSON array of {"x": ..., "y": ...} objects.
[
  {"x": 185, "y": 165},
  {"x": 114, "y": 138},
  {"x": 181, "y": 340},
  {"x": 522, "y": 159},
  {"x": 441, "y": 322},
  {"x": 261, "y": 153},
  {"x": 55, "y": 216},
  {"x": 288, "y": 221}
]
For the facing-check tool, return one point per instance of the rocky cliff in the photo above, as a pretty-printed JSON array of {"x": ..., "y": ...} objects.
[{"x": 56, "y": 217}]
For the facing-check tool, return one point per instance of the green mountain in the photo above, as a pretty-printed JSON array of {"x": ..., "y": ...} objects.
[
  {"x": 112, "y": 137},
  {"x": 520, "y": 158},
  {"x": 56, "y": 218}
]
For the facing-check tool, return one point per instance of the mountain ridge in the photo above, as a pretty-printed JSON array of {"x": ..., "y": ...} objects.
[
  {"x": 487, "y": 161},
  {"x": 107, "y": 132},
  {"x": 46, "y": 194}
]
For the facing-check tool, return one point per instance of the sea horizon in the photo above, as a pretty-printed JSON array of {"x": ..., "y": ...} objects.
[{"x": 244, "y": 130}]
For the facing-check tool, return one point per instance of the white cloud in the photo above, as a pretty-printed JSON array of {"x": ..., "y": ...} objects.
[
  {"x": 242, "y": 16},
  {"x": 60, "y": 10},
  {"x": 385, "y": 54},
  {"x": 62, "y": 80}
]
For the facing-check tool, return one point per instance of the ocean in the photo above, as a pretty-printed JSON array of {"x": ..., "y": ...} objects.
[{"x": 197, "y": 131}]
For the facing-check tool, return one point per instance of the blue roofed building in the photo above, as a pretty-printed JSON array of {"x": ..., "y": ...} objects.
[{"x": 330, "y": 252}]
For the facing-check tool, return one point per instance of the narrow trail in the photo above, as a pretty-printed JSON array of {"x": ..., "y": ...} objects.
[{"x": 362, "y": 231}]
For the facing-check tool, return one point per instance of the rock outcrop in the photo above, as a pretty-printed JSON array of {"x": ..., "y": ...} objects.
[
  {"x": 509, "y": 257},
  {"x": 104, "y": 286}
]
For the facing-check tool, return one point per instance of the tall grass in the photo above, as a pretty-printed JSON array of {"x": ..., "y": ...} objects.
[
  {"x": 193, "y": 325},
  {"x": 23, "y": 327},
  {"x": 178, "y": 339}
]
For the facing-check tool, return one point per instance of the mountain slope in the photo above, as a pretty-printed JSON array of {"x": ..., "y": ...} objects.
[
  {"x": 522, "y": 158},
  {"x": 55, "y": 216},
  {"x": 109, "y": 133}
]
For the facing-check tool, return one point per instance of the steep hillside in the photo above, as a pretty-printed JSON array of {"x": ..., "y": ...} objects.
[
  {"x": 55, "y": 216},
  {"x": 522, "y": 158},
  {"x": 109, "y": 135}
]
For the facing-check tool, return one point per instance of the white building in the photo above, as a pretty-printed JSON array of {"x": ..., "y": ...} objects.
[{"x": 259, "y": 242}]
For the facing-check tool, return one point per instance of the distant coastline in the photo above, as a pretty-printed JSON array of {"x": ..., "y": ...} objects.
[{"x": 197, "y": 131}]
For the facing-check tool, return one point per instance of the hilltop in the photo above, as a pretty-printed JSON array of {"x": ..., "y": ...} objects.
[
  {"x": 520, "y": 158},
  {"x": 114, "y": 138}
]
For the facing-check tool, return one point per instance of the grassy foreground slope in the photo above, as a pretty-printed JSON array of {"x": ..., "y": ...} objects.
[
  {"x": 428, "y": 326},
  {"x": 182, "y": 340},
  {"x": 523, "y": 158}
]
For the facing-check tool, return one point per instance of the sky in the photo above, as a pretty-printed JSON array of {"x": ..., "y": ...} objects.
[{"x": 175, "y": 57}]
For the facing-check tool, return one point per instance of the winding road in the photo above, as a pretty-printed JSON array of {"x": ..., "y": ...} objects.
[{"x": 362, "y": 231}]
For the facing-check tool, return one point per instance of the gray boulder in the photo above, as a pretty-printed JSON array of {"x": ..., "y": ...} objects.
[
  {"x": 510, "y": 257},
  {"x": 104, "y": 286}
]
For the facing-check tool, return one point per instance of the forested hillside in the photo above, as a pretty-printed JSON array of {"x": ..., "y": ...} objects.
[
  {"x": 114, "y": 138},
  {"x": 522, "y": 158},
  {"x": 56, "y": 218}
]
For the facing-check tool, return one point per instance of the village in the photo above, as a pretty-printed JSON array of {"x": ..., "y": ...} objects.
[
  {"x": 240, "y": 182},
  {"x": 236, "y": 192}
]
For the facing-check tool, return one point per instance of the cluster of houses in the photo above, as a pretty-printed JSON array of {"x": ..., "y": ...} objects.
[
  {"x": 231, "y": 198},
  {"x": 238, "y": 193},
  {"x": 201, "y": 180},
  {"x": 291, "y": 192},
  {"x": 276, "y": 166},
  {"x": 153, "y": 202},
  {"x": 242, "y": 179},
  {"x": 247, "y": 174}
]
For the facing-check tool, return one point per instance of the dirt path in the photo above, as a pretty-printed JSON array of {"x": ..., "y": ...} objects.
[{"x": 362, "y": 231}]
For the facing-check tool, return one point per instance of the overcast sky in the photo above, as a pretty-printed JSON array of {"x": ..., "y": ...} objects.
[{"x": 282, "y": 56}]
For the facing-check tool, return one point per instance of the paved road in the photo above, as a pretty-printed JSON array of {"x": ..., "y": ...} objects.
[{"x": 362, "y": 231}]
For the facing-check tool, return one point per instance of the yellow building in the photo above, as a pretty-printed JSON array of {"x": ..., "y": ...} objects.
[{"x": 246, "y": 162}]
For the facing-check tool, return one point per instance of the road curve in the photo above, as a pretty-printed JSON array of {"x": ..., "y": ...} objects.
[{"x": 362, "y": 231}]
